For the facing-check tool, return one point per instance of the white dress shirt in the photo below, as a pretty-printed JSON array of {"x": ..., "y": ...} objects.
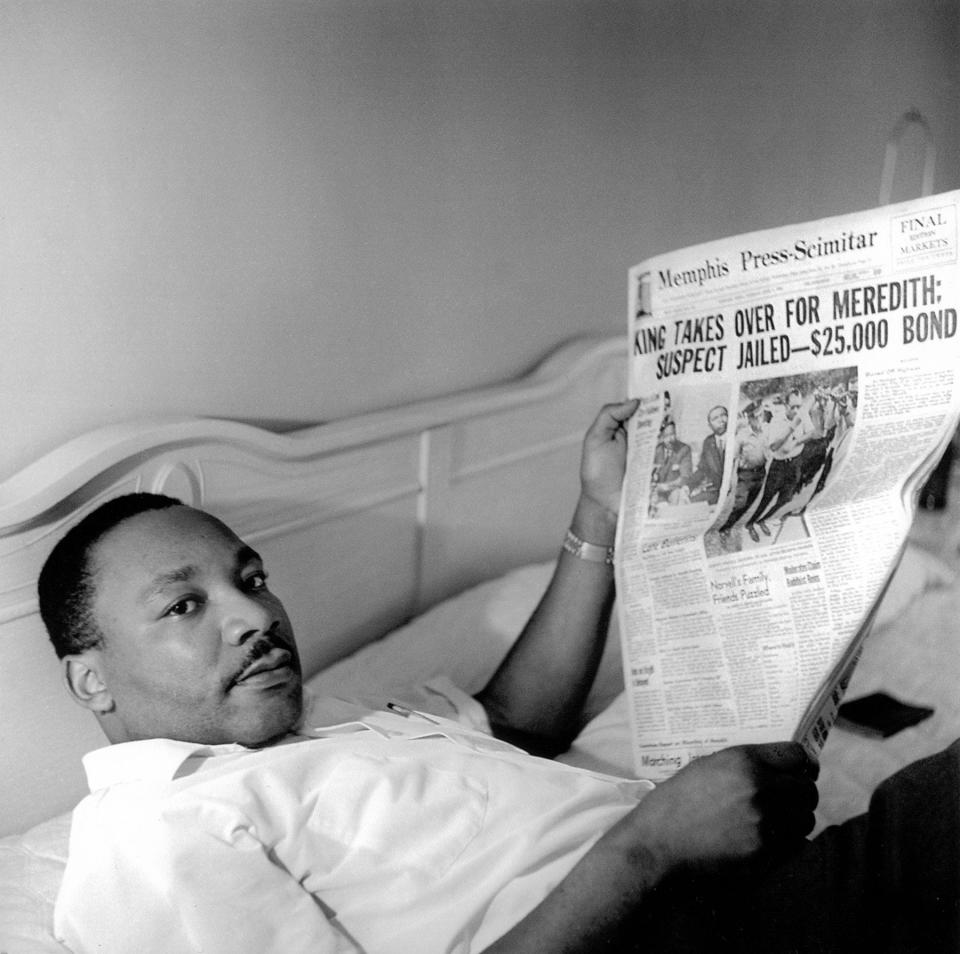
[{"x": 383, "y": 832}]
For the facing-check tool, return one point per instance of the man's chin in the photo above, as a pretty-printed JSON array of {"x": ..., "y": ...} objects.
[{"x": 274, "y": 716}]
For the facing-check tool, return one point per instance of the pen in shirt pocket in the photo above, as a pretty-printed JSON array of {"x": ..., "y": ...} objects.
[{"x": 400, "y": 709}]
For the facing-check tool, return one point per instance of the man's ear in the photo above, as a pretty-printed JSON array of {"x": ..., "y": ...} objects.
[{"x": 82, "y": 677}]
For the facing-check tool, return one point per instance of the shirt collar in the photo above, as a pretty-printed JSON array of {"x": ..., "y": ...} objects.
[
  {"x": 160, "y": 760},
  {"x": 156, "y": 760},
  {"x": 146, "y": 759}
]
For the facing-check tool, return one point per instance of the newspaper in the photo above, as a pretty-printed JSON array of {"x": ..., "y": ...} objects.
[{"x": 796, "y": 385}]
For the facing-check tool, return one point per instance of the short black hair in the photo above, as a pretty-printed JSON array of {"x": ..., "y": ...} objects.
[{"x": 65, "y": 587}]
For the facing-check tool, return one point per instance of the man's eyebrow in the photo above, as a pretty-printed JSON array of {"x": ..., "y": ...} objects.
[
  {"x": 183, "y": 574},
  {"x": 246, "y": 554}
]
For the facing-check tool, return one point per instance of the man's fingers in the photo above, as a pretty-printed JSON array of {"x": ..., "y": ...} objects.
[
  {"x": 789, "y": 757},
  {"x": 612, "y": 417},
  {"x": 786, "y": 793},
  {"x": 786, "y": 798},
  {"x": 623, "y": 410}
]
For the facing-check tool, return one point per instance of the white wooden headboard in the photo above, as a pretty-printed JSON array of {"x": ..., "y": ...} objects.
[{"x": 363, "y": 523}]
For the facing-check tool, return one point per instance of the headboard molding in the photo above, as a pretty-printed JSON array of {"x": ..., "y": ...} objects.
[{"x": 363, "y": 523}]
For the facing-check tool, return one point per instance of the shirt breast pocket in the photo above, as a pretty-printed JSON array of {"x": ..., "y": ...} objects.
[{"x": 378, "y": 816}]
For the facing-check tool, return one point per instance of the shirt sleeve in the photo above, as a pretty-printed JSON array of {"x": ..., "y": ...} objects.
[{"x": 171, "y": 884}]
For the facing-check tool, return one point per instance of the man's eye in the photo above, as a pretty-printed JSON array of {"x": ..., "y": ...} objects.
[
  {"x": 183, "y": 607},
  {"x": 256, "y": 581}
]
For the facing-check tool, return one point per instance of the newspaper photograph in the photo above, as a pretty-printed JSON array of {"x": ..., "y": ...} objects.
[{"x": 796, "y": 386}]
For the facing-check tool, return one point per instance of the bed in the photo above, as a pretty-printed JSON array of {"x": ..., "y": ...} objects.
[{"x": 409, "y": 542}]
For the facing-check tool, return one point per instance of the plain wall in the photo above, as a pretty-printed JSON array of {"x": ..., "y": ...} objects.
[{"x": 300, "y": 210}]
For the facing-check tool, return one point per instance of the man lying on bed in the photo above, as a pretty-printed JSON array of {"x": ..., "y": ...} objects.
[{"x": 227, "y": 816}]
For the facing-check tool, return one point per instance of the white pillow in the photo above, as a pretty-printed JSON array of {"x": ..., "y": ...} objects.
[{"x": 31, "y": 868}]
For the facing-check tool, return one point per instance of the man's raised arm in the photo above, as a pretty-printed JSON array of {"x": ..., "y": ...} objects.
[{"x": 536, "y": 696}]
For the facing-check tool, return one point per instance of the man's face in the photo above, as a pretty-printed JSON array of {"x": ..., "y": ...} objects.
[
  {"x": 794, "y": 403},
  {"x": 669, "y": 435},
  {"x": 195, "y": 646},
  {"x": 717, "y": 419}
]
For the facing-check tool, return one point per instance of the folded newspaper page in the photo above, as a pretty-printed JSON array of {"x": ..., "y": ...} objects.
[{"x": 796, "y": 386}]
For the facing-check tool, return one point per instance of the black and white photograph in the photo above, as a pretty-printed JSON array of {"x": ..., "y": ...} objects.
[
  {"x": 791, "y": 434},
  {"x": 315, "y": 372},
  {"x": 689, "y": 458}
]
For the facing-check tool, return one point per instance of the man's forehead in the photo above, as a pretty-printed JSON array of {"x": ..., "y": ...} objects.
[{"x": 159, "y": 540}]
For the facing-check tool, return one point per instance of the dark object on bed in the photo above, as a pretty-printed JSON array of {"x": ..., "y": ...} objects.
[{"x": 880, "y": 715}]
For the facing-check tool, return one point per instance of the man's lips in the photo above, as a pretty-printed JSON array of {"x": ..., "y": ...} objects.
[{"x": 271, "y": 667}]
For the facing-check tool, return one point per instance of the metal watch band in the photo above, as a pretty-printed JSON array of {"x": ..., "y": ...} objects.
[{"x": 590, "y": 552}]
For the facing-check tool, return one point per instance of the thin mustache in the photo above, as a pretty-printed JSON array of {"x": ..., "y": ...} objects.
[{"x": 263, "y": 645}]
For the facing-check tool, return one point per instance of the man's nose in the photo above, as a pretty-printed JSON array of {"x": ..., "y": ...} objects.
[{"x": 245, "y": 617}]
